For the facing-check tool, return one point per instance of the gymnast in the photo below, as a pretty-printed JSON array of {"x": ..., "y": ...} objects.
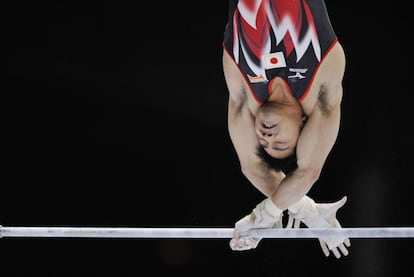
[{"x": 284, "y": 67}]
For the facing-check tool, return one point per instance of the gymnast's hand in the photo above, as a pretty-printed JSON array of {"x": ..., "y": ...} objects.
[
  {"x": 265, "y": 215},
  {"x": 316, "y": 215}
]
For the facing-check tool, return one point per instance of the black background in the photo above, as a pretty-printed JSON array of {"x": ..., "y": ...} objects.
[{"x": 115, "y": 115}]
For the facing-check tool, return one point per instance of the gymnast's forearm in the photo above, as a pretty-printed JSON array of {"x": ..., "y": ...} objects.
[
  {"x": 265, "y": 181},
  {"x": 293, "y": 188},
  {"x": 284, "y": 191}
]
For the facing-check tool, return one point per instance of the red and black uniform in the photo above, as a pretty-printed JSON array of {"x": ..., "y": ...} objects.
[{"x": 278, "y": 38}]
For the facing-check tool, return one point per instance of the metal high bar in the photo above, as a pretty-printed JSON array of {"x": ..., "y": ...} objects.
[{"x": 204, "y": 233}]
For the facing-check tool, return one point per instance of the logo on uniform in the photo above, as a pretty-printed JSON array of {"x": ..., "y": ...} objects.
[
  {"x": 299, "y": 73},
  {"x": 256, "y": 79},
  {"x": 274, "y": 60}
]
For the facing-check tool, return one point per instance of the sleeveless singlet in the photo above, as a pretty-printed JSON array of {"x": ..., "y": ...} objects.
[{"x": 278, "y": 38}]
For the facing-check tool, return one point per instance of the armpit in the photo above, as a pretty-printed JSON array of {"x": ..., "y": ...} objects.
[
  {"x": 327, "y": 100},
  {"x": 239, "y": 101}
]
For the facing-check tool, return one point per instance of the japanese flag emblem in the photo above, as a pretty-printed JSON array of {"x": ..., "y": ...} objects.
[{"x": 274, "y": 60}]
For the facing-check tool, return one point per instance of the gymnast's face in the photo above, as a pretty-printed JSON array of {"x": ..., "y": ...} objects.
[{"x": 277, "y": 132}]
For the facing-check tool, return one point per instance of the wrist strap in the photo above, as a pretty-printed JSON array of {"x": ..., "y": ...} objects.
[
  {"x": 271, "y": 208},
  {"x": 295, "y": 208}
]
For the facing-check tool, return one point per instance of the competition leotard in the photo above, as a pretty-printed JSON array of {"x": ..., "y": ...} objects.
[{"x": 278, "y": 38}]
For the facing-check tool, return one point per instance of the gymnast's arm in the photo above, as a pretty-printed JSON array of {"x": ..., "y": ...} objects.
[
  {"x": 242, "y": 134},
  {"x": 315, "y": 142},
  {"x": 318, "y": 135}
]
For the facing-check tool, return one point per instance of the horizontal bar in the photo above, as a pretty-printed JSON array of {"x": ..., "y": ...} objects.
[
  {"x": 115, "y": 232},
  {"x": 367, "y": 232},
  {"x": 118, "y": 232}
]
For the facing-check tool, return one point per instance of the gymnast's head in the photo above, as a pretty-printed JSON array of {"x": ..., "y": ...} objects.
[
  {"x": 286, "y": 165},
  {"x": 277, "y": 127}
]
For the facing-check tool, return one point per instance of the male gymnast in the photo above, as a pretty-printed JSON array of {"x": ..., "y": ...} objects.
[{"x": 284, "y": 67}]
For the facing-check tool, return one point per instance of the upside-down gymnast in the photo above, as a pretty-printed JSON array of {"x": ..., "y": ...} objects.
[{"x": 284, "y": 67}]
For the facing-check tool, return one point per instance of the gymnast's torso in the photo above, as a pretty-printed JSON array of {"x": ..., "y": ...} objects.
[{"x": 278, "y": 38}]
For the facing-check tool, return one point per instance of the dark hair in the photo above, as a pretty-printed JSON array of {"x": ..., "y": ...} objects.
[{"x": 285, "y": 165}]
